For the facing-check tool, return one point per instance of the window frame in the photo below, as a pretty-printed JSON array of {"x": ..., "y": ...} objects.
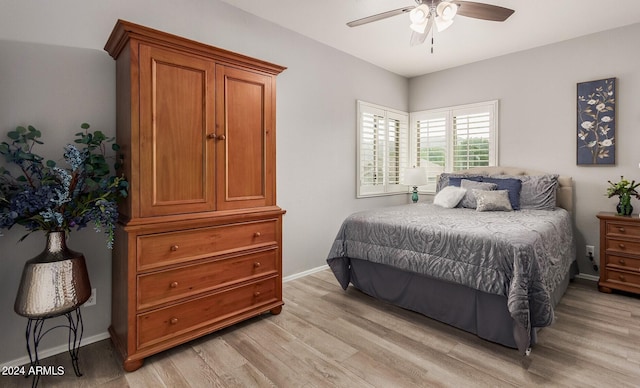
[
  {"x": 409, "y": 157},
  {"x": 449, "y": 113},
  {"x": 386, "y": 188}
]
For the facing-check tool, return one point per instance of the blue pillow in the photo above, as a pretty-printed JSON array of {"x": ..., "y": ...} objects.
[{"x": 510, "y": 184}]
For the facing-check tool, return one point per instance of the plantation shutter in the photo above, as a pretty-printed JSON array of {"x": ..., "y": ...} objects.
[
  {"x": 383, "y": 149},
  {"x": 454, "y": 139},
  {"x": 472, "y": 130},
  {"x": 430, "y": 148}
]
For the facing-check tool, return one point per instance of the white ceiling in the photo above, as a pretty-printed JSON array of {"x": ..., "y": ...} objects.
[{"x": 386, "y": 43}]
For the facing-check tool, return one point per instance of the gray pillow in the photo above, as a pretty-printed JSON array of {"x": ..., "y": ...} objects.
[
  {"x": 469, "y": 199},
  {"x": 538, "y": 191},
  {"x": 443, "y": 179},
  {"x": 495, "y": 200}
]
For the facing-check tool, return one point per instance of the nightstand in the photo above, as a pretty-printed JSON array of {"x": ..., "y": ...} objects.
[{"x": 619, "y": 253}]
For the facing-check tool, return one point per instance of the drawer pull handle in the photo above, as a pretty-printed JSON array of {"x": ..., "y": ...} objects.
[
  {"x": 174, "y": 248},
  {"x": 173, "y": 284},
  {"x": 173, "y": 321},
  {"x": 257, "y": 234},
  {"x": 621, "y": 246},
  {"x": 621, "y": 261},
  {"x": 621, "y": 229},
  {"x": 257, "y": 264},
  {"x": 621, "y": 277},
  {"x": 256, "y": 294}
]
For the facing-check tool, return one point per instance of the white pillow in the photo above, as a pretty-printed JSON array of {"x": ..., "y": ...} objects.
[{"x": 449, "y": 196}]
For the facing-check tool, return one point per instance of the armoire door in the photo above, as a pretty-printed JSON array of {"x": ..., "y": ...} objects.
[
  {"x": 177, "y": 140},
  {"x": 245, "y": 128}
]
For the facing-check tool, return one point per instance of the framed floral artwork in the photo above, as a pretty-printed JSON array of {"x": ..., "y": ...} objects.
[{"x": 596, "y": 140}]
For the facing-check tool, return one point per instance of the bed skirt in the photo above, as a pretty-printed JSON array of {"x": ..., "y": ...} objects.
[{"x": 477, "y": 312}]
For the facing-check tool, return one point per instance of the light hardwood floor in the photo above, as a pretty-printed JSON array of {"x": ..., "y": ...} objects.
[{"x": 328, "y": 337}]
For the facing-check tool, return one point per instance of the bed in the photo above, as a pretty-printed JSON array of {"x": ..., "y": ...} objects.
[{"x": 497, "y": 274}]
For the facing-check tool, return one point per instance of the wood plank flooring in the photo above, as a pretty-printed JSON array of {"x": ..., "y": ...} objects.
[{"x": 326, "y": 337}]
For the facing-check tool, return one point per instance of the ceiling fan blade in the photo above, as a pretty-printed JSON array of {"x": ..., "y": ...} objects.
[
  {"x": 418, "y": 38},
  {"x": 380, "y": 16},
  {"x": 482, "y": 11}
]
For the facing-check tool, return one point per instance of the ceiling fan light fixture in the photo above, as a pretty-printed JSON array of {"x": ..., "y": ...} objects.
[
  {"x": 419, "y": 17},
  {"x": 446, "y": 10}
]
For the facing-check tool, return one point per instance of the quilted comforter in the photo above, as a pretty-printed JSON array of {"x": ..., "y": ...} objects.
[{"x": 522, "y": 255}]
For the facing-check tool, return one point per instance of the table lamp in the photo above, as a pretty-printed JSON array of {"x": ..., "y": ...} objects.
[{"x": 416, "y": 176}]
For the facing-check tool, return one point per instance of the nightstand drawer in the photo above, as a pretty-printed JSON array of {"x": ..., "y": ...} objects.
[
  {"x": 622, "y": 277},
  {"x": 622, "y": 229},
  {"x": 622, "y": 246},
  {"x": 166, "y": 323},
  {"x": 176, "y": 247},
  {"x": 165, "y": 286},
  {"x": 625, "y": 263}
]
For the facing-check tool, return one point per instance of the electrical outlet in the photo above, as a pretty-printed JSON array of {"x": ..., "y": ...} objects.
[
  {"x": 92, "y": 299},
  {"x": 590, "y": 251}
]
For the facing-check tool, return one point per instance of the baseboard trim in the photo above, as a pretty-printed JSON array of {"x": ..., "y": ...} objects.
[
  {"x": 585, "y": 276},
  {"x": 44, "y": 353},
  {"x": 304, "y": 273}
]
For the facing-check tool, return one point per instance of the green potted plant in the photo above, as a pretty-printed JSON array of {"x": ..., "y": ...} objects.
[{"x": 624, "y": 190}]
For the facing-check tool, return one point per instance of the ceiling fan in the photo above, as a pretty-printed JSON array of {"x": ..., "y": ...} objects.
[{"x": 439, "y": 12}]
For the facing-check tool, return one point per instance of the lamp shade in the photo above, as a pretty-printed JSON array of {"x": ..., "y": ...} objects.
[{"x": 416, "y": 176}]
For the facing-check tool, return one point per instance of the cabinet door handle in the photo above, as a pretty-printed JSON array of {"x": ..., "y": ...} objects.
[
  {"x": 174, "y": 248},
  {"x": 173, "y": 284},
  {"x": 221, "y": 137},
  {"x": 173, "y": 321},
  {"x": 211, "y": 136}
]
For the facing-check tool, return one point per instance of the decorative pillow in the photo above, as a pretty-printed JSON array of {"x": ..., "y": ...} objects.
[
  {"x": 538, "y": 191},
  {"x": 469, "y": 199},
  {"x": 495, "y": 200},
  {"x": 449, "y": 196},
  {"x": 443, "y": 179},
  {"x": 455, "y": 181},
  {"x": 510, "y": 184}
]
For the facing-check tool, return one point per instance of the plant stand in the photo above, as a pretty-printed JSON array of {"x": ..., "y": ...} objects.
[{"x": 34, "y": 334}]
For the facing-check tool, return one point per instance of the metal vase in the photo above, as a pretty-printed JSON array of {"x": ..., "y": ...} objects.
[{"x": 54, "y": 282}]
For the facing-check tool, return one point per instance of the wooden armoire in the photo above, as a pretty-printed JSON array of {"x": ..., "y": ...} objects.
[{"x": 198, "y": 245}]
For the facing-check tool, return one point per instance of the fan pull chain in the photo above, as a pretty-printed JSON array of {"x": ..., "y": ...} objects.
[{"x": 432, "y": 43}]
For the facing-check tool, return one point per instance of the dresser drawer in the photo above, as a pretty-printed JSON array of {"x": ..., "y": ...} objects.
[
  {"x": 162, "y": 324},
  {"x": 621, "y": 277},
  {"x": 625, "y": 263},
  {"x": 621, "y": 229},
  {"x": 167, "y": 248},
  {"x": 165, "y": 286},
  {"x": 622, "y": 246}
]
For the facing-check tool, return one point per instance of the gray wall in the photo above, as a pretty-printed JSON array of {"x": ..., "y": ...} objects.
[
  {"x": 537, "y": 93},
  {"x": 54, "y": 75}
]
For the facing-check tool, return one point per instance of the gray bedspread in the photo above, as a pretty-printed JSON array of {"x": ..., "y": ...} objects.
[{"x": 522, "y": 255}]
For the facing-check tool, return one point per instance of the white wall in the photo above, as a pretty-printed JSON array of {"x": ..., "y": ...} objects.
[
  {"x": 537, "y": 93},
  {"x": 54, "y": 75}
]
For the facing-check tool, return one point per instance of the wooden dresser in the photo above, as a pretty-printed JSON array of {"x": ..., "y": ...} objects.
[
  {"x": 619, "y": 253},
  {"x": 198, "y": 246}
]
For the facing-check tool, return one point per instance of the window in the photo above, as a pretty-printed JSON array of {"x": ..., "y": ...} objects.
[
  {"x": 454, "y": 139},
  {"x": 441, "y": 140},
  {"x": 383, "y": 149}
]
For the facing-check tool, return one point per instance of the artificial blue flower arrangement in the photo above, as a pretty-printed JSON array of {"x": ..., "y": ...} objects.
[{"x": 44, "y": 196}]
